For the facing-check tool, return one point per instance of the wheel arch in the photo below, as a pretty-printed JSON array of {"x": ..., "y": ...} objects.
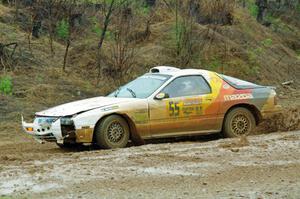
[
  {"x": 133, "y": 133},
  {"x": 252, "y": 108}
]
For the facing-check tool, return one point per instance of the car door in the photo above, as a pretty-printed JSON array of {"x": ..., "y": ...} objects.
[{"x": 183, "y": 111}]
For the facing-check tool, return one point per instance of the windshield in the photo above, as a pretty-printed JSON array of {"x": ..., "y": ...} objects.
[{"x": 141, "y": 87}]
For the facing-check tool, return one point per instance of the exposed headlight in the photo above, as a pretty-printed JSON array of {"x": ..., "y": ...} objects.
[
  {"x": 66, "y": 121},
  {"x": 45, "y": 120}
]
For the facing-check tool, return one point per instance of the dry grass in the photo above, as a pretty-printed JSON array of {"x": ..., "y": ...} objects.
[{"x": 217, "y": 9}]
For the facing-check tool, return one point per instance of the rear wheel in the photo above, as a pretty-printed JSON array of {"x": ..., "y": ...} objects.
[
  {"x": 239, "y": 122},
  {"x": 112, "y": 132}
]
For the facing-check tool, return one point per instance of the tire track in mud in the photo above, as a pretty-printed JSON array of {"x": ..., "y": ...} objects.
[{"x": 62, "y": 174}]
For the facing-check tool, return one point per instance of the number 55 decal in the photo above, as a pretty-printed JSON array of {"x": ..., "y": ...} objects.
[{"x": 174, "y": 109}]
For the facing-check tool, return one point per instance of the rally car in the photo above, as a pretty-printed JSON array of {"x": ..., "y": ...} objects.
[{"x": 165, "y": 102}]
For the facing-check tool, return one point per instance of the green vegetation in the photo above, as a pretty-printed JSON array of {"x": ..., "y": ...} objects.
[
  {"x": 95, "y": 26},
  {"x": 253, "y": 54},
  {"x": 97, "y": 29},
  {"x": 178, "y": 31},
  {"x": 298, "y": 8},
  {"x": 141, "y": 7},
  {"x": 215, "y": 64},
  {"x": 298, "y": 54},
  {"x": 6, "y": 85},
  {"x": 62, "y": 29},
  {"x": 253, "y": 9},
  {"x": 182, "y": 42},
  {"x": 277, "y": 24},
  {"x": 267, "y": 42},
  {"x": 5, "y": 197}
]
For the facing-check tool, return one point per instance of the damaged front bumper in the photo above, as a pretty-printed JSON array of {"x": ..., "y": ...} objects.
[
  {"x": 57, "y": 129},
  {"x": 43, "y": 130}
]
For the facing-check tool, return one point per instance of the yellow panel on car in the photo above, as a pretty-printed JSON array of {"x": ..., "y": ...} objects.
[{"x": 84, "y": 135}]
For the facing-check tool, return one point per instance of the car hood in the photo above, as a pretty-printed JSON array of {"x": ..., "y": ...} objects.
[{"x": 82, "y": 106}]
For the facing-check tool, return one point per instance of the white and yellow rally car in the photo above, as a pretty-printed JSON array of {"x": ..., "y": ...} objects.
[{"x": 166, "y": 102}]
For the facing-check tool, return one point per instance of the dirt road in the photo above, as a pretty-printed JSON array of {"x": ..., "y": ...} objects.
[{"x": 263, "y": 166}]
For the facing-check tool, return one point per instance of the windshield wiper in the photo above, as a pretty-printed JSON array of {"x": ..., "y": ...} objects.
[
  {"x": 117, "y": 92},
  {"x": 132, "y": 92}
]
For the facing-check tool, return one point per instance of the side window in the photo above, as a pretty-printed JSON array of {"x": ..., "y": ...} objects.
[{"x": 187, "y": 86}]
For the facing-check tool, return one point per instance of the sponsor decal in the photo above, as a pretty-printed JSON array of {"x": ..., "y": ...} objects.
[
  {"x": 174, "y": 108},
  {"x": 186, "y": 108},
  {"x": 192, "y": 102},
  {"x": 238, "y": 97},
  {"x": 192, "y": 110},
  {"x": 140, "y": 116}
]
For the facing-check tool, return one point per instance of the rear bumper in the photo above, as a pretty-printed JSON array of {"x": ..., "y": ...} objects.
[{"x": 47, "y": 132}]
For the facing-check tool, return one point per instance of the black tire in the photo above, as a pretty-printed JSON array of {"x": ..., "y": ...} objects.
[
  {"x": 239, "y": 122},
  {"x": 112, "y": 132}
]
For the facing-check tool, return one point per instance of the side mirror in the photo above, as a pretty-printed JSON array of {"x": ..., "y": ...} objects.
[{"x": 161, "y": 96}]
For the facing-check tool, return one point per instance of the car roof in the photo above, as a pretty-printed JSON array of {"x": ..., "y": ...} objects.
[{"x": 173, "y": 71}]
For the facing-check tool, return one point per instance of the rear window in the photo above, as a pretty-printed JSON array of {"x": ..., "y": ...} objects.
[{"x": 238, "y": 83}]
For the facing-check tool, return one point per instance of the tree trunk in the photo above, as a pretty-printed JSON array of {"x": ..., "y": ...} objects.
[
  {"x": 16, "y": 10},
  {"x": 4, "y": 56},
  {"x": 51, "y": 44},
  {"x": 66, "y": 54},
  {"x": 29, "y": 42},
  {"x": 177, "y": 29},
  {"x": 51, "y": 27},
  {"x": 244, "y": 3},
  {"x": 106, "y": 23}
]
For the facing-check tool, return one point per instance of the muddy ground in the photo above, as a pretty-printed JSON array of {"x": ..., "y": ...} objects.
[{"x": 261, "y": 166}]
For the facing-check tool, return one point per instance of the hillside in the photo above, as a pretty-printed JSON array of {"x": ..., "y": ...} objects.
[{"x": 244, "y": 48}]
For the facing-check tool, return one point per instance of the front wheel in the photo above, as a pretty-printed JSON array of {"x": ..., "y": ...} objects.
[
  {"x": 112, "y": 132},
  {"x": 239, "y": 122}
]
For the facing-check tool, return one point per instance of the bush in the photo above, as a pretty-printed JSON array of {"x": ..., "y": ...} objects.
[
  {"x": 63, "y": 29},
  {"x": 95, "y": 26},
  {"x": 97, "y": 29},
  {"x": 217, "y": 11},
  {"x": 253, "y": 9},
  {"x": 298, "y": 8},
  {"x": 267, "y": 42},
  {"x": 6, "y": 85},
  {"x": 182, "y": 41},
  {"x": 215, "y": 64},
  {"x": 298, "y": 54}
]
